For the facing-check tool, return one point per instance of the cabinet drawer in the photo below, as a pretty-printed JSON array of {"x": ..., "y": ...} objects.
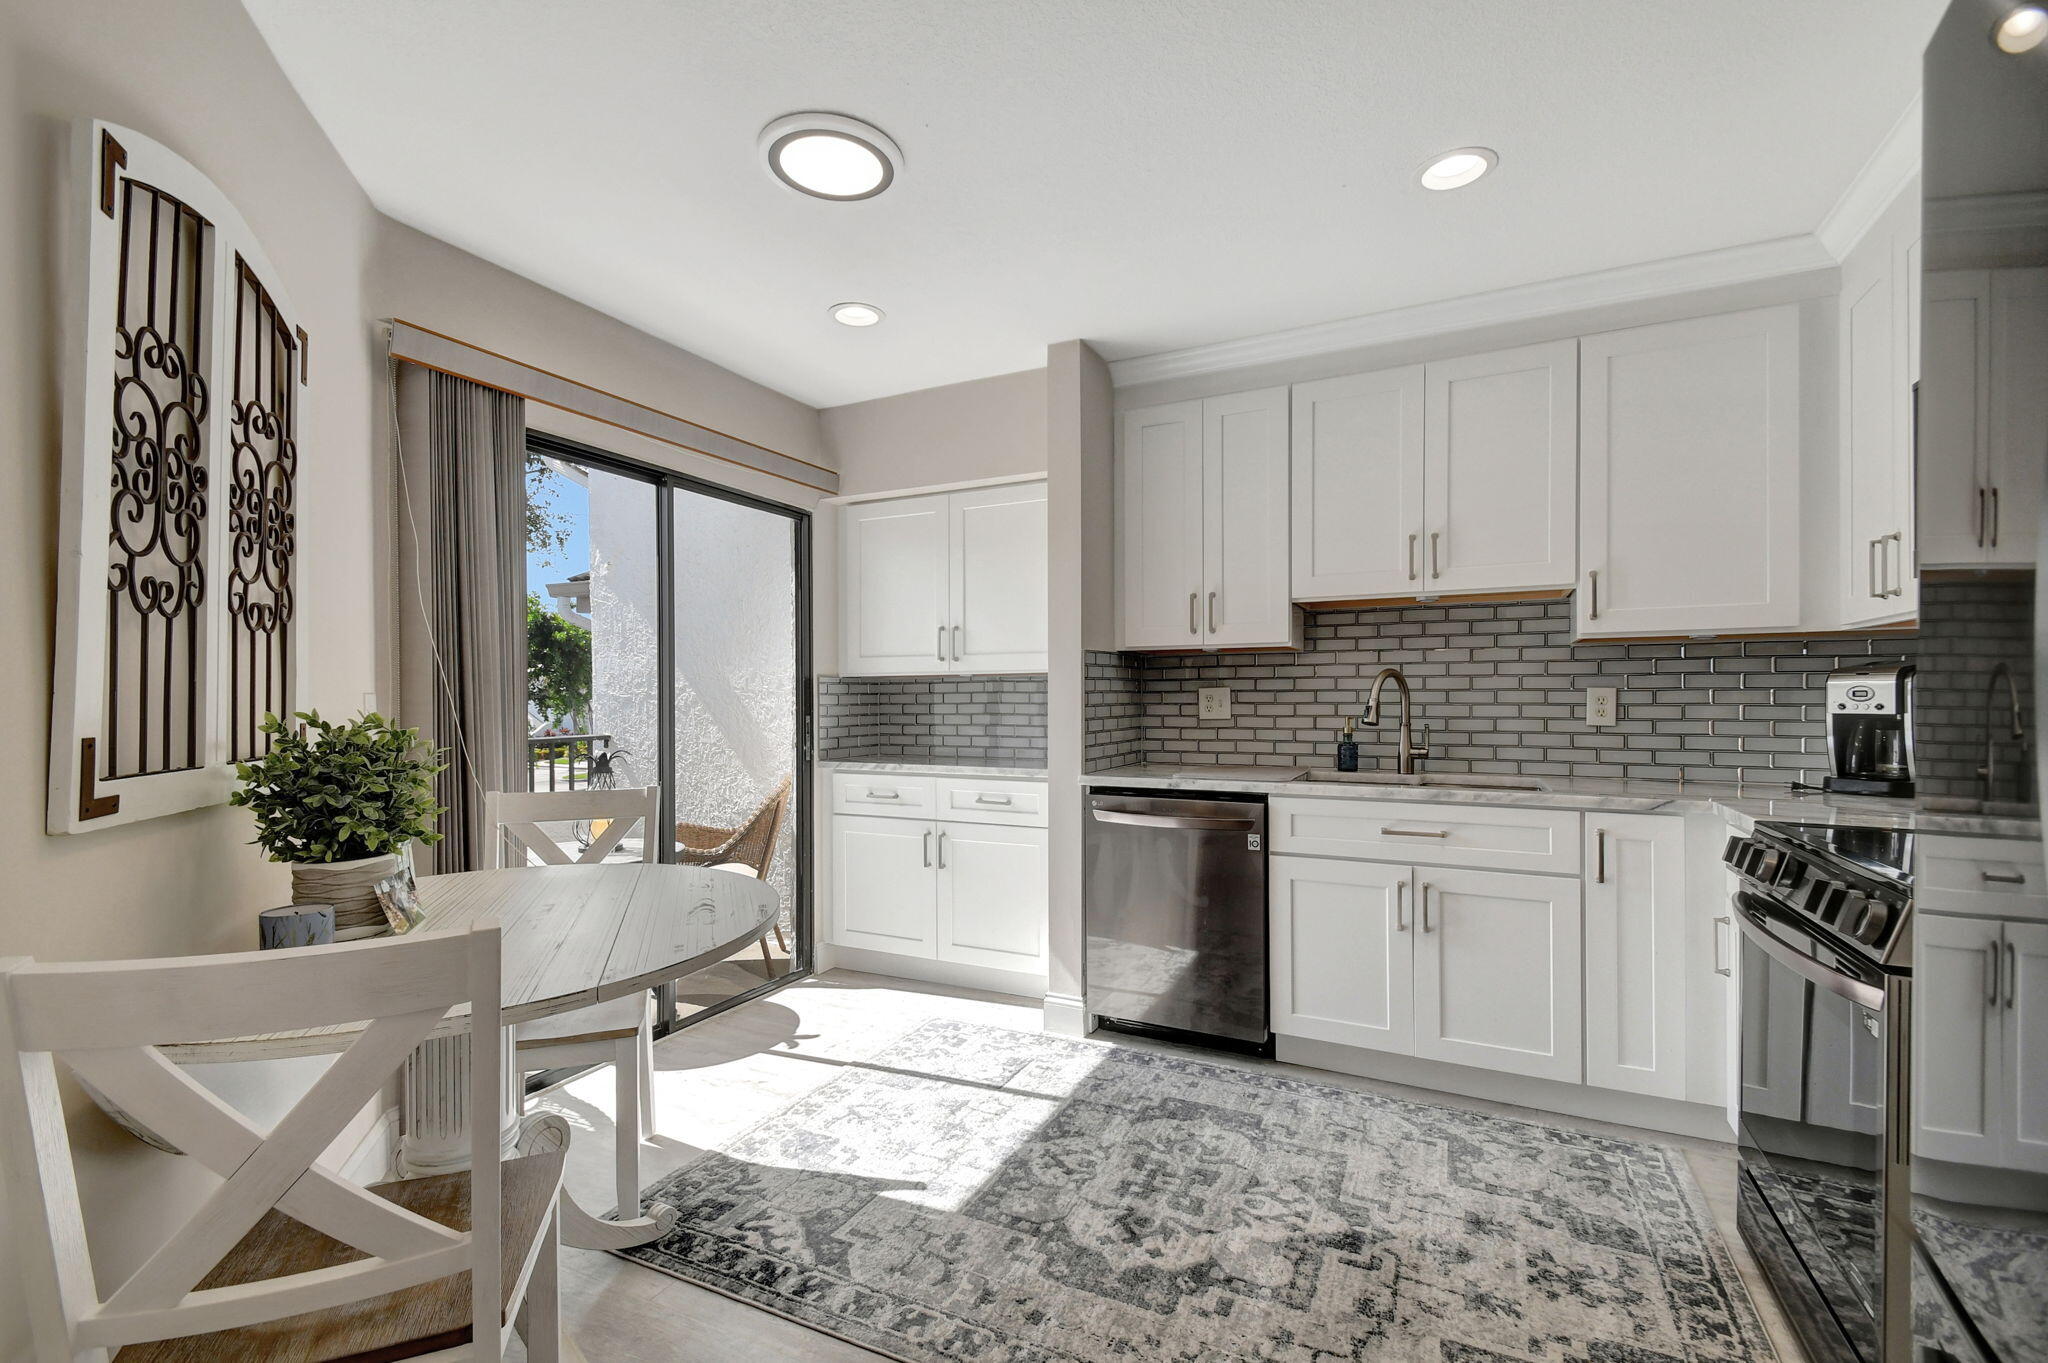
[
  {"x": 1429, "y": 835},
  {"x": 855, "y": 792},
  {"x": 975, "y": 799},
  {"x": 1989, "y": 877}
]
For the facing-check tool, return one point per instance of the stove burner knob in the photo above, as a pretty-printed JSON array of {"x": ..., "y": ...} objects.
[
  {"x": 1871, "y": 923},
  {"x": 1791, "y": 873},
  {"x": 1765, "y": 865}
]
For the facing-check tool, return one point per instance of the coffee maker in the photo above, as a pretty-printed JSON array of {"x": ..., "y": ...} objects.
[{"x": 1870, "y": 731}]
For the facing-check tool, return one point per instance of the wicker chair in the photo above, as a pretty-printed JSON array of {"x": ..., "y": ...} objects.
[{"x": 751, "y": 845}]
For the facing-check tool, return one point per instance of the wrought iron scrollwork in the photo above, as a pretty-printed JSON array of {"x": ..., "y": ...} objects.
[{"x": 262, "y": 515}]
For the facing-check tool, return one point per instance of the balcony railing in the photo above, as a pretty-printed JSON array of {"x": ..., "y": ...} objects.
[{"x": 565, "y": 761}]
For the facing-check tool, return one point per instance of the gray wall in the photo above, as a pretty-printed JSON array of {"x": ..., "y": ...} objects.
[
  {"x": 997, "y": 721},
  {"x": 984, "y": 428},
  {"x": 1501, "y": 687}
]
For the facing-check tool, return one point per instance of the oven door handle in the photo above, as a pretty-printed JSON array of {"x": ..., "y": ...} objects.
[{"x": 1809, "y": 967}]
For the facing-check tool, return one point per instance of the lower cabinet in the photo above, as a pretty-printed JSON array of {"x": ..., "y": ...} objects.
[
  {"x": 970, "y": 891},
  {"x": 1566, "y": 977},
  {"x": 1981, "y": 994}
]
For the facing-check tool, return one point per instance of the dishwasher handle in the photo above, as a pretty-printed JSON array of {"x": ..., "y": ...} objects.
[{"x": 1105, "y": 813}]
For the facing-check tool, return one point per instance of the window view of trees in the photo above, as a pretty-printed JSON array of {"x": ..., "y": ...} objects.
[{"x": 557, "y": 649}]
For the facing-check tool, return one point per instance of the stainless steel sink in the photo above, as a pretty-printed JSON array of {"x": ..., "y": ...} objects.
[{"x": 1425, "y": 779}]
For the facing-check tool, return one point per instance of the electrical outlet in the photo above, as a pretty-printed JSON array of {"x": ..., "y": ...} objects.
[
  {"x": 1603, "y": 706},
  {"x": 1214, "y": 702}
]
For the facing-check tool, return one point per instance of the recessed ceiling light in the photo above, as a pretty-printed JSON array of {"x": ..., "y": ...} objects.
[
  {"x": 2023, "y": 30},
  {"x": 1456, "y": 169},
  {"x": 856, "y": 314},
  {"x": 830, "y": 156}
]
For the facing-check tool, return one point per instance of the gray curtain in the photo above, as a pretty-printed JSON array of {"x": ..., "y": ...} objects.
[{"x": 461, "y": 538}]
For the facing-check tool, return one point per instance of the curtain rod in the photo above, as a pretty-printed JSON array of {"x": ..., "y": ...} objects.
[{"x": 431, "y": 349}]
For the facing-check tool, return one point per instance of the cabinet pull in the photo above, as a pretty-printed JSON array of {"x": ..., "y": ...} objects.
[
  {"x": 942, "y": 643},
  {"x": 1599, "y": 856},
  {"x": 1593, "y": 581},
  {"x": 1435, "y": 569},
  {"x": 956, "y": 643},
  {"x": 1871, "y": 568},
  {"x": 1983, "y": 520},
  {"x": 1720, "y": 969},
  {"x": 2012, "y": 974},
  {"x": 874, "y": 794},
  {"x": 1994, "y": 878},
  {"x": 1896, "y": 582},
  {"x": 1415, "y": 832},
  {"x": 1411, "y": 556},
  {"x": 942, "y": 849},
  {"x": 1194, "y": 620},
  {"x": 991, "y": 799},
  {"x": 1991, "y": 959},
  {"x": 1427, "y": 925},
  {"x": 1212, "y": 612},
  {"x": 1400, "y": 906},
  {"x": 1994, "y": 518},
  {"x": 927, "y": 849}
]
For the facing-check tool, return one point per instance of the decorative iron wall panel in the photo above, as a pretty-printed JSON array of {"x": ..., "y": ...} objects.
[
  {"x": 262, "y": 517},
  {"x": 154, "y": 690}
]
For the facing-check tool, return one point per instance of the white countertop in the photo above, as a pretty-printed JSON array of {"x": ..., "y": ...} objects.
[
  {"x": 1743, "y": 806},
  {"x": 914, "y": 767}
]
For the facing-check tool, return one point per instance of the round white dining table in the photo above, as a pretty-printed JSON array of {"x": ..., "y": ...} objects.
[{"x": 572, "y": 936}]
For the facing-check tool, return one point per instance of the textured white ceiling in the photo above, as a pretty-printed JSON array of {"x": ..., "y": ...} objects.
[{"x": 1147, "y": 174}]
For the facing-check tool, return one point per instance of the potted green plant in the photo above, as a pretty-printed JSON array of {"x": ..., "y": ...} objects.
[{"x": 341, "y": 804}]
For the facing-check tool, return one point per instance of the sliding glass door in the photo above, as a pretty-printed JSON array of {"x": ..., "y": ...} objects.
[{"x": 667, "y": 628}]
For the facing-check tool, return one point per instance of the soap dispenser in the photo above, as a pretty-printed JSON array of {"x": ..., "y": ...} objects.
[{"x": 1347, "y": 750}]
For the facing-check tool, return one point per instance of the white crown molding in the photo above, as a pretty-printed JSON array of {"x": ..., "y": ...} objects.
[
  {"x": 1896, "y": 161},
  {"x": 1988, "y": 212},
  {"x": 1625, "y": 284}
]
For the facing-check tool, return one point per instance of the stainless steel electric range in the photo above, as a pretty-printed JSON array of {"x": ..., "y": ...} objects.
[{"x": 1826, "y": 982}]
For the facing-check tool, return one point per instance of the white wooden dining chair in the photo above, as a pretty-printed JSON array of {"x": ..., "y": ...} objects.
[
  {"x": 619, "y": 1033},
  {"x": 285, "y": 1261}
]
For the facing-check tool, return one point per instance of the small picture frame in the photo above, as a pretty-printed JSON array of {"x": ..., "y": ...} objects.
[{"x": 399, "y": 896}]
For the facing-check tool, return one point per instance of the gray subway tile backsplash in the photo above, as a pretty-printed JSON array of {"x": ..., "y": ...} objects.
[{"x": 995, "y": 721}]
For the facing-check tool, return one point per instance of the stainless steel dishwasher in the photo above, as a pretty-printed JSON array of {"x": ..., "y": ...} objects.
[{"x": 1175, "y": 903}]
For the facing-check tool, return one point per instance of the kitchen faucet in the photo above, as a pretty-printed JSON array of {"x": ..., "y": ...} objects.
[
  {"x": 1989, "y": 771},
  {"x": 1408, "y": 754}
]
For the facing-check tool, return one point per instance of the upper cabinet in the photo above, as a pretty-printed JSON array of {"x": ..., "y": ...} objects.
[
  {"x": 1689, "y": 476},
  {"x": 1983, "y": 416},
  {"x": 1202, "y": 525},
  {"x": 1879, "y": 340},
  {"x": 951, "y": 582},
  {"x": 1443, "y": 479}
]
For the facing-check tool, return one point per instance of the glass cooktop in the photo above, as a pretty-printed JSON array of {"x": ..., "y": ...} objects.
[{"x": 1886, "y": 853}]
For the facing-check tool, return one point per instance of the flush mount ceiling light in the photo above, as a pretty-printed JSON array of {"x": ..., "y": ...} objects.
[
  {"x": 830, "y": 156},
  {"x": 2023, "y": 30},
  {"x": 856, "y": 314},
  {"x": 1456, "y": 169}
]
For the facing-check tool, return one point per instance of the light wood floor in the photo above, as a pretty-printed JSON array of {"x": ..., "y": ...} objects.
[{"x": 728, "y": 1072}]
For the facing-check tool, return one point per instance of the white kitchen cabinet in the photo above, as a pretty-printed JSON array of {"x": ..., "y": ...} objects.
[
  {"x": 882, "y": 884},
  {"x": 893, "y": 586},
  {"x": 1448, "y": 478},
  {"x": 1954, "y": 418},
  {"x": 1497, "y": 959},
  {"x": 1357, "y": 483},
  {"x": 948, "y": 582},
  {"x": 1500, "y": 480},
  {"x": 1689, "y": 477},
  {"x": 1202, "y": 525},
  {"x": 1635, "y": 953},
  {"x": 1879, "y": 584},
  {"x": 2025, "y": 1046},
  {"x": 1342, "y": 963},
  {"x": 1980, "y": 1030},
  {"x": 992, "y": 895},
  {"x": 2019, "y": 413}
]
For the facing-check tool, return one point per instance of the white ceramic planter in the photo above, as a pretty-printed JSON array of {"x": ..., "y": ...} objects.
[{"x": 350, "y": 886}]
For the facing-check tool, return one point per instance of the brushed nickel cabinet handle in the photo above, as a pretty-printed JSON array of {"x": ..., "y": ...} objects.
[
  {"x": 1194, "y": 620},
  {"x": 1991, "y": 959},
  {"x": 1871, "y": 568},
  {"x": 1411, "y": 556},
  {"x": 927, "y": 849},
  {"x": 1415, "y": 832},
  {"x": 942, "y": 849},
  {"x": 956, "y": 643},
  {"x": 1593, "y": 581},
  {"x": 992, "y": 799},
  {"x": 942, "y": 643},
  {"x": 1983, "y": 517},
  {"x": 2012, "y": 974},
  {"x": 1400, "y": 906},
  {"x": 1427, "y": 925},
  {"x": 874, "y": 794},
  {"x": 1994, "y": 518},
  {"x": 1212, "y": 612},
  {"x": 1435, "y": 569},
  {"x": 1993, "y": 878},
  {"x": 1599, "y": 856},
  {"x": 1720, "y": 969}
]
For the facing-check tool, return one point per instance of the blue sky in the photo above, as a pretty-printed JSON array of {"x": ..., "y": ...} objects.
[{"x": 572, "y": 501}]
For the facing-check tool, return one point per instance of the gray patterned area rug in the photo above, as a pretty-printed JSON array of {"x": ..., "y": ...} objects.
[{"x": 978, "y": 1193}]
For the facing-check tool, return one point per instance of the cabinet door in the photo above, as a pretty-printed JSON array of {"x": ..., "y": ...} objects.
[
  {"x": 1689, "y": 476},
  {"x": 1497, "y": 972},
  {"x": 1956, "y": 1039},
  {"x": 1357, "y": 486},
  {"x": 2025, "y": 1024},
  {"x": 1245, "y": 597},
  {"x": 998, "y": 573},
  {"x": 1952, "y": 462},
  {"x": 884, "y": 884},
  {"x": 893, "y": 588},
  {"x": 1635, "y": 953},
  {"x": 1500, "y": 482},
  {"x": 1342, "y": 963},
  {"x": 1159, "y": 527},
  {"x": 1874, "y": 455},
  {"x": 992, "y": 896},
  {"x": 2019, "y": 413}
]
